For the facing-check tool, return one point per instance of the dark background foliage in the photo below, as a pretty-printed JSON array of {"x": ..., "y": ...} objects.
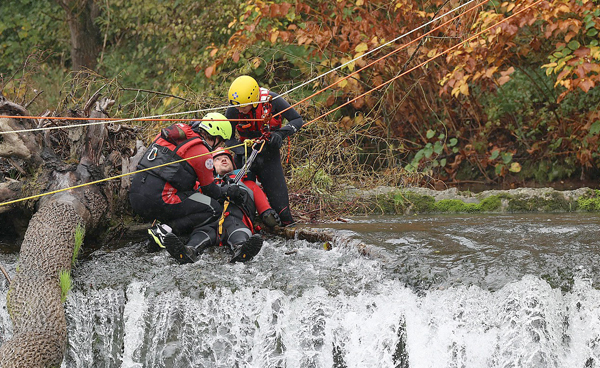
[{"x": 517, "y": 105}]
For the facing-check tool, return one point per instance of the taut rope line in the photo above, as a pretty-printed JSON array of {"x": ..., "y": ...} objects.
[
  {"x": 310, "y": 122},
  {"x": 383, "y": 57},
  {"x": 426, "y": 61},
  {"x": 106, "y": 179},
  {"x": 102, "y": 121},
  {"x": 157, "y": 117},
  {"x": 381, "y": 46}
]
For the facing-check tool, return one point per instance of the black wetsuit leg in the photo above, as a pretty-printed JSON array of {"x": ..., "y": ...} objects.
[
  {"x": 270, "y": 173},
  {"x": 203, "y": 237},
  {"x": 194, "y": 208},
  {"x": 235, "y": 231}
]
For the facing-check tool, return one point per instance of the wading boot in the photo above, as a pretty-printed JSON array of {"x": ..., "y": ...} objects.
[
  {"x": 156, "y": 237},
  {"x": 182, "y": 253},
  {"x": 247, "y": 250}
]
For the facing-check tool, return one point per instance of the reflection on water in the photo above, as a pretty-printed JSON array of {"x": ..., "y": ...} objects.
[
  {"x": 435, "y": 291},
  {"x": 488, "y": 251}
]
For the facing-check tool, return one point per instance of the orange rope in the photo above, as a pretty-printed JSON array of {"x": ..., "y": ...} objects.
[
  {"x": 281, "y": 112},
  {"x": 381, "y": 58},
  {"x": 425, "y": 62},
  {"x": 112, "y": 119},
  {"x": 310, "y": 122}
]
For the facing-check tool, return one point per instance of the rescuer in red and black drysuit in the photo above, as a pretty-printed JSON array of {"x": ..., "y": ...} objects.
[
  {"x": 235, "y": 226},
  {"x": 168, "y": 193},
  {"x": 260, "y": 103}
]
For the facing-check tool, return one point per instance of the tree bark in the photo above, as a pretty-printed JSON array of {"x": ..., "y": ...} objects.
[
  {"x": 86, "y": 39},
  {"x": 13, "y": 145},
  {"x": 34, "y": 297},
  {"x": 321, "y": 237}
]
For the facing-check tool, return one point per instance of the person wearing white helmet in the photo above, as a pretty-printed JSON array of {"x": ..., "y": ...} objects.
[
  {"x": 177, "y": 187},
  {"x": 251, "y": 104}
]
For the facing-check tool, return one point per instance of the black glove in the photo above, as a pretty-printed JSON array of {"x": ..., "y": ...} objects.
[
  {"x": 271, "y": 218},
  {"x": 235, "y": 194},
  {"x": 276, "y": 140}
]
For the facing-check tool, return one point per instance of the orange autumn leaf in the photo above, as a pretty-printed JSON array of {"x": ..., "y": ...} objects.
[{"x": 208, "y": 72}]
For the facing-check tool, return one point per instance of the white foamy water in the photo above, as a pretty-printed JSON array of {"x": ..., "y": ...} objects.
[
  {"x": 434, "y": 292},
  {"x": 525, "y": 324}
]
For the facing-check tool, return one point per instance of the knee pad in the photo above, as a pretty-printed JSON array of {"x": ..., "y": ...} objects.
[{"x": 199, "y": 239}]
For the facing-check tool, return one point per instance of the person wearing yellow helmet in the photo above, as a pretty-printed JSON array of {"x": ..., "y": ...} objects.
[
  {"x": 212, "y": 125},
  {"x": 262, "y": 112},
  {"x": 177, "y": 186}
]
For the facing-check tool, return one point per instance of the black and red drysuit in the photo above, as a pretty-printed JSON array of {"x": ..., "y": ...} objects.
[
  {"x": 168, "y": 193},
  {"x": 236, "y": 225},
  {"x": 267, "y": 165}
]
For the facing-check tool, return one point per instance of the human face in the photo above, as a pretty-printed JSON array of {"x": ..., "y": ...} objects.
[
  {"x": 244, "y": 109},
  {"x": 212, "y": 141},
  {"x": 222, "y": 164}
]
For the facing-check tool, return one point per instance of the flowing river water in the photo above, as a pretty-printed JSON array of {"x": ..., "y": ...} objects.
[{"x": 434, "y": 291}]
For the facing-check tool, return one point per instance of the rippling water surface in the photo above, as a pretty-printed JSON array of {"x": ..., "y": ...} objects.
[{"x": 439, "y": 291}]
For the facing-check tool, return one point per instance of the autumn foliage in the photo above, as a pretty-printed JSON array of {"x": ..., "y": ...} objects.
[
  {"x": 504, "y": 105},
  {"x": 485, "y": 90}
]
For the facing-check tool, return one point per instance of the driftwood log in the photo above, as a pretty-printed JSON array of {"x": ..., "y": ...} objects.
[
  {"x": 325, "y": 238},
  {"x": 34, "y": 296}
]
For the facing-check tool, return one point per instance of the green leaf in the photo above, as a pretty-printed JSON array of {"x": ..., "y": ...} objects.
[
  {"x": 428, "y": 150},
  {"x": 453, "y": 142},
  {"x": 592, "y": 33},
  {"x": 556, "y": 144},
  {"x": 574, "y": 45},
  {"x": 438, "y": 148},
  {"x": 595, "y": 128},
  {"x": 506, "y": 157},
  {"x": 495, "y": 154},
  {"x": 443, "y": 162},
  {"x": 430, "y": 133}
]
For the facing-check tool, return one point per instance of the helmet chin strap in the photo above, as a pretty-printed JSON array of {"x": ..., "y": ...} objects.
[{"x": 215, "y": 139}]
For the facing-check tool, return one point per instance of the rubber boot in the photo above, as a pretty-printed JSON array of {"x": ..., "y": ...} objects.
[
  {"x": 201, "y": 240},
  {"x": 247, "y": 250},
  {"x": 285, "y": 216},
  {"x": 182, "y": 253}
]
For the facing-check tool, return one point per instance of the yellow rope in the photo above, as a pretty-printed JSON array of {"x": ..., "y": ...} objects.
[
  {"x": 105, "y": 179},
  {"x": 222, "y": 219}
]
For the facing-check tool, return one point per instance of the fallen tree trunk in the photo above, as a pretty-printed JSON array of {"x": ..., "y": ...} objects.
[
  {"x": 327, "y": 239},
  {"x": 34, "y": 299}
]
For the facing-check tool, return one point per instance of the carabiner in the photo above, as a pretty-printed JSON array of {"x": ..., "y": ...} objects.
[{"x": 152, "y": 154}]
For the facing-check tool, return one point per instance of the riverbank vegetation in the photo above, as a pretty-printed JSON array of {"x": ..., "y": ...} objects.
[{"x": 517, "y": 104}]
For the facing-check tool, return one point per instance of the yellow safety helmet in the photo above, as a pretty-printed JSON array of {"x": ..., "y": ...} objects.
[
  {"x": 215, "y": 124},
  {"x": 243, "y": 90}
]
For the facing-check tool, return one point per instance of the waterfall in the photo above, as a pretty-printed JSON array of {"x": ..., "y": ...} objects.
[
  {"x": 453, "y": 297},
  {"x": 525, "y": 324}
]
